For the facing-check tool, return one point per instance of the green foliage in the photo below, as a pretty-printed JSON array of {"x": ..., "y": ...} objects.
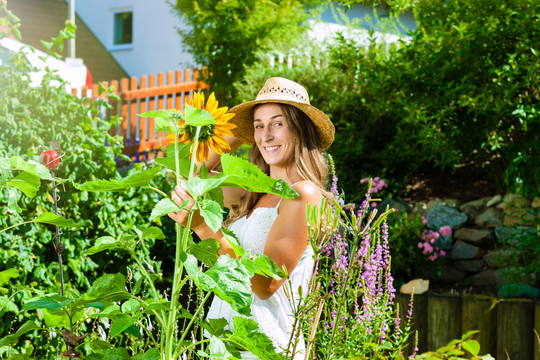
[
  {"x": 49, "y": 117},
  {"x": 457, "y": 349},
  {"x": 462, "y": 90},
  {"x": 224, "y": 36},
  {"x": 404, "y": 234},
  {"x": 509, "y": 291}
]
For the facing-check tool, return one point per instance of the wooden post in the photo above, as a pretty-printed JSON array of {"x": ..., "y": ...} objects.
[
  {"x": 444, "y": 319},
  {"x": 418, "y": 321},
  {"x": 479, "y": 313},
  {"x": 515, "y": 333}
]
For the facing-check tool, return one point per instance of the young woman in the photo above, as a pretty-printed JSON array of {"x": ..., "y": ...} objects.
[{"x": 289, "y": 136}]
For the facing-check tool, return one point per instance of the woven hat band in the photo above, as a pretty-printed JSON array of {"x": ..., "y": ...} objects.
[{"x": 283, "y": 89}]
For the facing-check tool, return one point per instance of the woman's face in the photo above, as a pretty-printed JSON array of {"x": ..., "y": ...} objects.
[{"x": 273, "y": 135}]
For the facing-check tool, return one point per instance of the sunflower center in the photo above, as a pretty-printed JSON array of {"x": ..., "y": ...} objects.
[{"x": 206, "y": 132}]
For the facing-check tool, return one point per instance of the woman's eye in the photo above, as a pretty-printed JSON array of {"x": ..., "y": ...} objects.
[{"x": 277, "y": 124}]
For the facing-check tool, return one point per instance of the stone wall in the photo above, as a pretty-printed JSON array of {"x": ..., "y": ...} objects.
[{"x": 483, "y": 249}]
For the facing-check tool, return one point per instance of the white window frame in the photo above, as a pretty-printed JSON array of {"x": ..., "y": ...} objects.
[{"x": 113, "y": 13}]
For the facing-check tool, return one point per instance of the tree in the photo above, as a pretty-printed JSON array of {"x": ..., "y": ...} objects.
[{"x": 224, "y": 36}]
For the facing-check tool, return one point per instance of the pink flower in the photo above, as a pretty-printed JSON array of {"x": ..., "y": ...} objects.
[
  {"x": 445, "y": 230},
  {"x": 427, "y": 248}
]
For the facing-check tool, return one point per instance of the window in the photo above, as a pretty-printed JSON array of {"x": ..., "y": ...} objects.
[{"x": 123, "y": 28}]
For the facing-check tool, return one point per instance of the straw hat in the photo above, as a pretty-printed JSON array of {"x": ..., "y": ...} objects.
[{"x": 282, "y": 91}]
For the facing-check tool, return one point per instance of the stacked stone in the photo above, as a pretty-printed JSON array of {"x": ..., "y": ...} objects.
[{"x": 483, "y": 247}]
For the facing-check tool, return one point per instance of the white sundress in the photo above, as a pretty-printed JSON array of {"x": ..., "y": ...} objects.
[{"x": 274, "y": 315}]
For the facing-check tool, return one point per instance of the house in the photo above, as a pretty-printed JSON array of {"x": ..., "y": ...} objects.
[
  {"x": 43, "y": 19},
  {"x": 141, "y": 35}
]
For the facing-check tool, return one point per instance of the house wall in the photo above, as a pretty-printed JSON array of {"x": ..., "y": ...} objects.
[{"x": 156, "y": 45}]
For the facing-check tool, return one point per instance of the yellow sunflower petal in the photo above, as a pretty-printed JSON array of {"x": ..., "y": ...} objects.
[
  {"x": 219, "y": 112},
  {"x": 226, "y": 117},
  {"x": 211, "y": 104},
  {"x": 221, "y": 142},
  {"x": 184, "y": 138},
  {"x": 217, "y": 144},
  {"x": 200, "y": 105}
]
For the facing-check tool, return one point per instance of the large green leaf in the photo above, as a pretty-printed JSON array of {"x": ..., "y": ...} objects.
[
  {"x": 110, "y": 354},
  {"x": 108, "y": 242},
  {"x": 43, "y": 172},
  {"x": 268, "y": 267},
  {"x": 121, "y": 323},
  {"x": 152, "y": 232},
  {"x": 198, "y": 117},
  {"x": 206, "y": 251},
  {"x": 55, "y": 318},
  {"x": 150, "y": 354},
  {"x": 27, "y": 183},
  {"x": 157, "y": 113},
  {"x": 170, "y": 164},
  {"x": 247, "y": 335},
  {"x": 58, "y": 220},
  {"x": 212, "y": 214},
  {"x": 242, "y": 174},
  {"x": 140, "y": 179},
  {"x": 213, "y": 194},
  {"x": 11, "y": 339},
  {"x": 217, "y": 349},
  {"x": 164, "y": 207},
  {"x": 109, "y": 284},
  {"x": 228, "y": 279},
  {"x": 184, "y": 150},
  {"x": 164, "y": 124},
  {"x": 99, "y": 345},
  {"x": 32, "y": 167},
  {"x": 198, "y": 187},
  {"x": 52, "y": 302},
  {"x": 233, "y": 241},
  {"x": 8, "y": 274}
]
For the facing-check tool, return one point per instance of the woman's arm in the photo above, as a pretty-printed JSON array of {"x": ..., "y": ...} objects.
[{"x": 288, "y": 237}]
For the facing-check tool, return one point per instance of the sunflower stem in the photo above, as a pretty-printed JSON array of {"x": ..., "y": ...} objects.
[
  {"x": 182, "y": 235},
  {"x": 194, "y": 152}
]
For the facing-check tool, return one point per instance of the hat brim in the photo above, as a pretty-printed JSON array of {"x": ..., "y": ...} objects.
[{"x": 244, "y": 121}]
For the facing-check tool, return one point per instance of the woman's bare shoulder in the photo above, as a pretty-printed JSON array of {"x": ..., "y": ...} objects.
[{"x": 307, "y": 191}]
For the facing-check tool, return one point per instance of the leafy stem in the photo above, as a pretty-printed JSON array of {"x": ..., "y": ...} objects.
[
  {"x": 19, "y": 224},
  {"x": 158, "y": 191},
  {"x": 182, "y": 235}
]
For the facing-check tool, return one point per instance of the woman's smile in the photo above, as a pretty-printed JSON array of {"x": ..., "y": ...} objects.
[{"x": 273, "y": 135}]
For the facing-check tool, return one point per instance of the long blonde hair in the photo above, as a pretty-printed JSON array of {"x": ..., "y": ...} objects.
[{"x": 307, "y": 160}]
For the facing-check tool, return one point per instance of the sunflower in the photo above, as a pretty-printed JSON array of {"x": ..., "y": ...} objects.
[{"x": 210, "y": 136}]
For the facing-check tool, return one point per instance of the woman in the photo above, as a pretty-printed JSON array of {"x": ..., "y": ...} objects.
[{"x": 289, "y": 136}]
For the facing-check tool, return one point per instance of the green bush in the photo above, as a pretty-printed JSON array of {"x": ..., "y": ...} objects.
[
  {"x": 463, "y": 90},
  {"x": 44, "y": 116}
]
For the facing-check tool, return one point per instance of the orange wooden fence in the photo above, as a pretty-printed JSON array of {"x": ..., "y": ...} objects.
[{"x": 165, "y": 91}]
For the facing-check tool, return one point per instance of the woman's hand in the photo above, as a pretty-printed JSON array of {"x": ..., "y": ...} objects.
[{"x": 179, "y": 196}]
